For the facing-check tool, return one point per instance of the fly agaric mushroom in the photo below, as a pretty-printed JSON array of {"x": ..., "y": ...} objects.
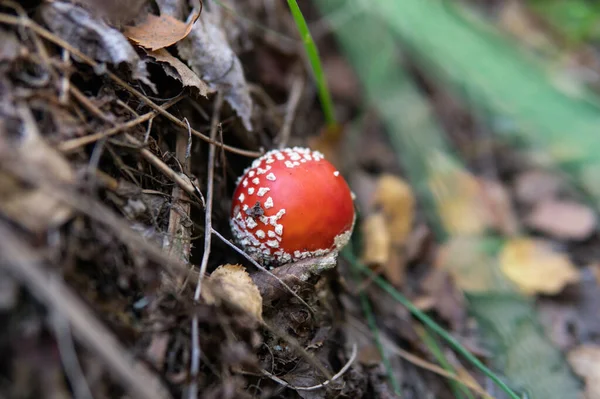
[{"x": 290, "y": 205}]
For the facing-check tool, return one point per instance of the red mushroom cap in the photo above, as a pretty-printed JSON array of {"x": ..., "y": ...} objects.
[{"x": 292, "y": 204}]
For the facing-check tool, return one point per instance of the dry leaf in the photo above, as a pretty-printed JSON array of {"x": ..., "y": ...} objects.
[
  {"x": 233, "y": 283},
  {"x": 93, "y": 37},
  {"x": 563, "y": 219},
  {"x": 376, "y": 242},
  {"x": 33, "y": 208},
  {"x": 181, "y": 72},
  {"x": 466, "y": 204},
  {"x": 497, "y": 204},
  {"x": 395, "y": 197},
  {"x": 207, "y": 52},
  {"x": 163, "y": 31},
  {"x": 472, "y": 268},
  {"x": 535, "y": 185},
  {"x": 9, "y": 51},
  {"x": 585, "y": 361},
  {"x": 386, "y": 230},
  {"x": 535, "y": 267}
]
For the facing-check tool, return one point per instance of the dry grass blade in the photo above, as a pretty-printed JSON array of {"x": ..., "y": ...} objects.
[
  {"x": 23, "y": 262},
  {"x": 28, "y": 23},
  {"x": 390, "y": 345}
]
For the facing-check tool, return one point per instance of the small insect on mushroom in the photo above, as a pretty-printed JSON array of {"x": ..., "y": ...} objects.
[{"x": 291, "y": 204}]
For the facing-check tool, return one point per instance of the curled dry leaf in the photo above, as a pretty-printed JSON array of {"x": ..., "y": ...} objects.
[
  {"x": 93, "y": 37},
  {"x": 535, "y": 267},
  {"x": 585, "y": 361},
  {"x": 233, "y": 284},
  {"x": 207, "y": 52},
  {"x": 178, "y": 70},
  {"x": 157, "y": 32},
  {"x": 563, "y": 219}
]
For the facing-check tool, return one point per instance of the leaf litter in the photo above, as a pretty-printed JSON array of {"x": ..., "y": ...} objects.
[{"x": 118, "y": 222}]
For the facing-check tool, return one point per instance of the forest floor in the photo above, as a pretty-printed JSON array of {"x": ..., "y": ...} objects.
[{"x": 122, "y": 135}]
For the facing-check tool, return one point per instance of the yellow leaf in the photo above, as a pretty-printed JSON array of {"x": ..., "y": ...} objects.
[
  {"x": 376, "y": 242},
  {"x": 457, "y": 194},
  {"x": 395, "y": 197},
  {"x": 233, "y": 284},
  {"x": 467, "y": 204},
  {"x": 535, "y": 267}
]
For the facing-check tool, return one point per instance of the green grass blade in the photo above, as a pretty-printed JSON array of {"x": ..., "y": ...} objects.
[
  {"x": 315, "y": 62},
  {"x": 432, "y": 325},
  {"x": 369, "y": 315},
  {"x": 460, "y": 391}
]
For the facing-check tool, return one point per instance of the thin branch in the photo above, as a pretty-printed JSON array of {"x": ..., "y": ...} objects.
[
  {"x": 25, "y": 264},
  {"x": 68, "y": 356},
  {"x": 180, "y": 179},
  {"x": 28, "y": 23},
  {"x": 196, "y": 351},
  {"x": 73, "y": 144}
]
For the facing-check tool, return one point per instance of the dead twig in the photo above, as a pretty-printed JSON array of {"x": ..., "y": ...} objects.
[
  {"x": 177, "y": 242},
  {"x": 68, "y": 355},
  {"x": 180, "y": 179},
  {"x": 28, "y": 23},
  {"x": 26, "y": 265},
  {"x": 195, "y": 361},
  {"x": 73, "y": 144}
]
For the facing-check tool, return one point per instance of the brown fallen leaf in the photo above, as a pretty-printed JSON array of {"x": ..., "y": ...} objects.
[
  {"x": 208, "y": 53},
  {"x": 585, "y": 360},
  {"x": 535, "y": 267},
  {"x": 182, "y": 73},
  {"x": 535, "y": 185},
  {"x": 563, "y": 219},
  {"x": 157, "y": 32},
  {"x": 233, "y": 284},
  {"x": 33, "y": 208}
]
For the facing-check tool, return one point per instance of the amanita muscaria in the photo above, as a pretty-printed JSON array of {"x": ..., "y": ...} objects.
[{"x": 290, "y": 205}]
